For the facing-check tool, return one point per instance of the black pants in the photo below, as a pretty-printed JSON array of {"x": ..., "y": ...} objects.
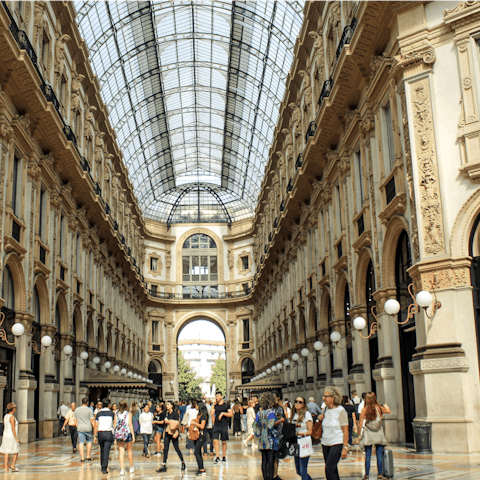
[
  {"x": 62, "y": 421},
  {"x": 198, "y": 450},
  {"x": 332, "y": 456},
  {"x": 209, "y": 440},
  {"x": 146, "y": 441},
  {"x": 73, "y": 435},
  {"x": 168, "y": 439},
  {"x": 268, "y": 460},
  {"x": 105, "y": 440}
]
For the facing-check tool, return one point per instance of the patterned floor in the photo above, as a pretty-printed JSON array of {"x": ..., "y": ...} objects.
[{"x": 53, "y": 460}]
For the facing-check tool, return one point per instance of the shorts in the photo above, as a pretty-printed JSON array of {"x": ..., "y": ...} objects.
[
  {"x": 85, "y": 437},
  {"x": 127, "y": 440},
  {"x": 220, "y": 433},
  {"x": 159, "y": 430}
]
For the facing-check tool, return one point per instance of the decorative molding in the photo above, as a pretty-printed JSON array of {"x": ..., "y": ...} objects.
[{"x": 440, "y": 365}]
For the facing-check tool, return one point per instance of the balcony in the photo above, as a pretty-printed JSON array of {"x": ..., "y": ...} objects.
[
  {"x": 69, "y": 135},
  {"x": 275, "y": 222},
  {"x": 312, "y": 127},
  {"x": 200, "y": 295},
  {"x": 270, "y": 237},
  {"x": 290, "y": 185},
  {"x": 347, "y": 35},
  {"x": 50, "y": 95},
  {"x": 84, "y": 164},
  {"x": 326, "y": 90},
  {"x": 282, "y": 206},
  {"x": 97, "y": 189},
  {"x": 107, "y": 209},
  {"x": 299, "y": 162}
]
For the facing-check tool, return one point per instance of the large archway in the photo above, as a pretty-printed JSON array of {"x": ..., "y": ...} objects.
[{"x": 201, "y": 358}]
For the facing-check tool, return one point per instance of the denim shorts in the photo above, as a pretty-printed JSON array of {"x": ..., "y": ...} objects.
[
  {"x": 85, "y": 437},
  {"x": 128, "y": 439},
  {"x": 159, "y": 430}
]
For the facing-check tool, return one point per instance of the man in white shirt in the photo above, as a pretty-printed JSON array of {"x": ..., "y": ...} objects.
[
  {"x": 61, "y": 414},
  {"x": 103, "y": 430},
  {"x": 146, "y": 428}
]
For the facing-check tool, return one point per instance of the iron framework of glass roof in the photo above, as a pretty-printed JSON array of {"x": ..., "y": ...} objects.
[{"x": 193, "y": 90}]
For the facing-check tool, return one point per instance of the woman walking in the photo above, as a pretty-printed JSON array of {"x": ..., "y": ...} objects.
[
  {"x": 201, "y": 423},
  {"x": 334, "y": 432},
  {"x": 303, "y": 421},
  {"x": 159, "y": 425},
  {"x": 352, "y": 419},
  {"x": 135, "y": 417},
  {"x": 172, "y": 420},
  {"x": 250, "y": 421},
  {"x": 192, "y": 413},
  {"x": 10, "y": 441},
  {"x": 373, "y": 433},
  {"x": 244, "y": 415},
  {"x": 237, "y": 418},
  {"x": 264, "y": 428},
  {"x": 124, "y": 435},
  {"x": 146, "y": 428}
]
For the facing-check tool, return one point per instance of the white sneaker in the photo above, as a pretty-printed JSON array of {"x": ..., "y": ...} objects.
[
  {"x": 132, "y": 469},
  {"x": 122, "y": 472}
]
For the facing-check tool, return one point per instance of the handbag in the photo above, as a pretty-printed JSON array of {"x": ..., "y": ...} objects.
[
  {"x": 317, "y": 430},
  {"x": 172, "y": 428},
  {"x": 193, "y": 432},
  {"x": 305, "y": 447}
]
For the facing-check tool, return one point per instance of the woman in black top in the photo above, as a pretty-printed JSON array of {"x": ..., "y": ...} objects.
[
  {"x": 159, "y": 426},
  {"x": 237, "y": 418},
  {"x": 201, "y": 423},
  {"x": 172, "y": 420},
  {"x": 352, "y": 420}
]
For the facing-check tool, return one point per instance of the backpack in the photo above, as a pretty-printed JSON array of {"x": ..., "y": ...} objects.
[{"x": 121, "y": 429}]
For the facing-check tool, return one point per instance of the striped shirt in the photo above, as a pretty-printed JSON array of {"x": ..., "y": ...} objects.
[{"x": 105, "y": 420}]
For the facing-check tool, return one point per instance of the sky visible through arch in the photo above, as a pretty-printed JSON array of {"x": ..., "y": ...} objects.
[{"x": 201, "y": 330}]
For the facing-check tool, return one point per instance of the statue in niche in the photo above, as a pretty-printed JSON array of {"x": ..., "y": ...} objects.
[
  {"x": 76, "y": 84},
  {"x": 230, "y": 258},
  {"x": 60, "y": 53}
]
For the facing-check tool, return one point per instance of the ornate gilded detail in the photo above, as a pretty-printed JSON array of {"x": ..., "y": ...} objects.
[{"x": 427, "y": 168}]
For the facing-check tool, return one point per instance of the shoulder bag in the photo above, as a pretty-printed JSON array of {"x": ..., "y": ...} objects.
[
  {"x": 193, "y": 432},
  {"x": 305, "y": 447}
]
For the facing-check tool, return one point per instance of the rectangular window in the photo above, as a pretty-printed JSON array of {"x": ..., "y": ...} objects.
[
  {"x": 45, "y": 47},
  {"x": 153, "y": 264},
  {"x": 195, "y": 270},
  {"x": 154, "y": 289},
  {"x": 245, "y": 263},
  {"x": 245, "y": 288},
  {"x": 389, "y": 132},
  {"x": 15, "y": 186},
  {"x": 213, "y": 269},
  {"x": 246, "y": 329},
  {"x": 62, "y": 237},
  {"x": 339, "y": 203},
  {"x": 154, "y": 332},
  {"x": 204, "y": 268},
  {"x": 360, "y": 179},
  {"x": 41, "y": 217},
  {"x": 63, "y": 91}
]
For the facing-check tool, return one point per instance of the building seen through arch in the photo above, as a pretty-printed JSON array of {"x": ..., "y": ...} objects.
[{"x": 286, "y": 183}]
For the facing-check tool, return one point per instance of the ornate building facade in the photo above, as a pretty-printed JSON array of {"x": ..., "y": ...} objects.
[{"x": 370, "y": 194}]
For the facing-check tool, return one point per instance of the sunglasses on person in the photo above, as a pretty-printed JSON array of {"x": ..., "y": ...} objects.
[{"x": 299, "y": 401}]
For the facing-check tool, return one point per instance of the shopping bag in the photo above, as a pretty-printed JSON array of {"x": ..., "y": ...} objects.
[{"x": 305, "y": 447}]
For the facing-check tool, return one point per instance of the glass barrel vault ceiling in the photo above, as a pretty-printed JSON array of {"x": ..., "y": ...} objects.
[{"x": 193, "y": 91}]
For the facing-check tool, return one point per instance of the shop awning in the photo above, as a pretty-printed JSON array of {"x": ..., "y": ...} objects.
[
  {"x": 96, "y": 378},
  {"x": 267, "y": 383}
]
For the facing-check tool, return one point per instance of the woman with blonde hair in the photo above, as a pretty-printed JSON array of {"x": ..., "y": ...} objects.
[
  {"x": 334, "y": 432},
  {"x": 124, "y": 435},
  {"x": 372, "y": 413},
  {"x": 250, "y": 420},
  {"x": 10, "y": 441},
  {"x": 303, "y": 421}
]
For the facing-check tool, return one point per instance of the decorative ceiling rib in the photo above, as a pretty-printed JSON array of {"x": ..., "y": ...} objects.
[{"x": 193, "y": 90}]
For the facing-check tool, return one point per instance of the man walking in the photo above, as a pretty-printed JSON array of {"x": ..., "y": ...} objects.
[
  {"x": 84, "y": 417},
  {"x": 72, "y": 426},
  {"x": 208, "y": 405},
  {"x": 61, "y": 414},
  {"x": 104, "y": 433},
  {"x": 280, "y": 420},
  {"x": 220, "y": 414},
  {"x": 314, "y": 409}
]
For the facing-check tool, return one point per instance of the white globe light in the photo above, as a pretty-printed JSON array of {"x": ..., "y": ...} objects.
[
  {"x": 46, "y": 340},
  {"x": 424, "y": 298},
  {"x": 116, "y": 368},
  {"x": 279, "y": 366},
  {"x": 130, "y": 374},
  {"x": 143, "y": 379},
  {"x": 269, "y": 371},
  {"x": 392, "y": 307},
  {"x": 107, "y": 365},
  {"x": 123, "y": 371},
  {"x": 264, "y": 374},
  {"x": 84, "y": 355},
  {"x": 18, "y": 329},
  {"x": 295, "y": 357},
  {"x": 96, "y": 360},
  {"x": 286, "y": 362},
  {"x": 359, "y": 323},
  {"x": 67, "y": 349},
  {"x": 335, "y": 336},
  {"x": 274, "y": 368},
  {"x": 318, "y": 345},
  {"x": 305, "y": 352}
]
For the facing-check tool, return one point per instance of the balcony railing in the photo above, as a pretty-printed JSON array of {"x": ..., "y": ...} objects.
[
  {"x": 282, "y": 206},
  {"x": 275, "y": 222},
  {"x": 200, "y": 295},
  {"x": 69, "y": 135},
  {"x": 107, "y": 209},
  {"x": 84, "y": 164},
  {"x": 347, "y": 35},
  {"x": 50, "y": 95},
  {"x": 299, "y": 162},
  {"x": 326, "y": 90},
  {"x": 115, "y": 225},
  {"x": 290, "y": 185},
  {"x": 270, "y": 237},
  {"x": 97, "y": 189},
  {"x": 312, "y": 127}
]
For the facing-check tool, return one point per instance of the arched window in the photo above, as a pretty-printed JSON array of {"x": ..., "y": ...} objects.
[
  {"x": 8, "y": 289},
  {"x": 199, "y": 267},
  {"x": 248, "y": 370}
]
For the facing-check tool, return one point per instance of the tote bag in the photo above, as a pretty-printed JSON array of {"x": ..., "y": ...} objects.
[{"x": 305, "y": 447}]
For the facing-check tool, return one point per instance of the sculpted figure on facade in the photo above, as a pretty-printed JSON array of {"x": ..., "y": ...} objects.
[
  {"x": 296, "y": 118},
  {"x": 76, "y": 84},
  {"x": 38, "y": 16},
  {"x": 61, "y": 40},
  {"x": 288, "y": 149},
  {"x": 307, "y": 91},
  {"x": 230, "y": 259},
  {"x": 319, "y": 51}
]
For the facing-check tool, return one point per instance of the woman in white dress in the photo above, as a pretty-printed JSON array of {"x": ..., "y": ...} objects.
[{"x": 10, "y": 442}]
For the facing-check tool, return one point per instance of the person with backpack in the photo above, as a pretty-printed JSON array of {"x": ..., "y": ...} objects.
[
  {"x": 200, "y": 422},
  {"x": 373, "y": 433},
  {"x": 103, "y": 433},
  {"x": 352, "y": 419},
  {"x": 124, "y": 435}
]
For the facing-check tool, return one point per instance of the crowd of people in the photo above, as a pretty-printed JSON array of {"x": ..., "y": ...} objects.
[{"x": 280, "y": 428}]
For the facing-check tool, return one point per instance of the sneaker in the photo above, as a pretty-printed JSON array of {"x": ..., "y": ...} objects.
[
  {"x": 224, "y": 459},
  {"x": 158, "y": 454},
  {"x": 122, "y": 472},
  {"x": 183, "y": 466},
  {"x": 161, "y": 470},
  {"x": 245, "y": 443},
  {"x": 217, "y": 460},
  {"x": 365, "y": 477},
  {"x": 132, "y": 469},
  {"x": 201, "y": 474}
]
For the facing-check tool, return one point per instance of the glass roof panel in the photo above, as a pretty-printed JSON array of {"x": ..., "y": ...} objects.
[{"x": 193, "y": 90}]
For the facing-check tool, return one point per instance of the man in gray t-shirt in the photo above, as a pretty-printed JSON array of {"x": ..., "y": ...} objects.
[{"x": 85, "y": 419}]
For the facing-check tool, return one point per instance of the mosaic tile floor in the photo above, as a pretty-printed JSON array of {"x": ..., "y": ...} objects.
[{"x": 53, "y": 460}]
